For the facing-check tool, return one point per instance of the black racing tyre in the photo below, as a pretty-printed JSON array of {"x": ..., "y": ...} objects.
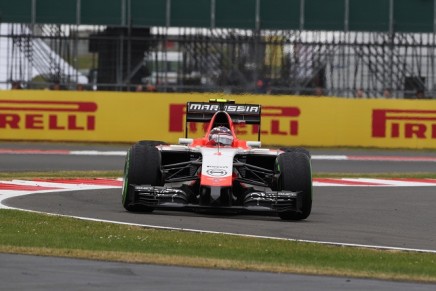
[
  {"x": 151, "y": 142},
  {"x": 296, "y": 150},
  {"x": 295, "y": 174},
  {"x": 142, "y": 167}
]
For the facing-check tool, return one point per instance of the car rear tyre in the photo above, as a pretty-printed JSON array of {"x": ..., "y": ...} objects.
[
  {"x": 142, "y": 167},
  {"x": 295, "y": 174}
]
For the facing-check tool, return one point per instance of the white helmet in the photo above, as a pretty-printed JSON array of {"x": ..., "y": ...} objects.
[{"x": 221, "y": 135}]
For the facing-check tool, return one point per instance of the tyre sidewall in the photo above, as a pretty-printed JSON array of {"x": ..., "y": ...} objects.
[
  {"x": 295, "y": 174},
  {"x": 142, "y": 167}
]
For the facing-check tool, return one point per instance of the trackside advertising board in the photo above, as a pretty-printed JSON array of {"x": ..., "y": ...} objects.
[{"x": 286, "y": 120}]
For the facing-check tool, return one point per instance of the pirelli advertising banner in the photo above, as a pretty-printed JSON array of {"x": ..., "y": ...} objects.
[{"x": 286, "y": 120}]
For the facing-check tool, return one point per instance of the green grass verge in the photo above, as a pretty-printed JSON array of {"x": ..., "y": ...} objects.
[{"x": 32, "y": 233}]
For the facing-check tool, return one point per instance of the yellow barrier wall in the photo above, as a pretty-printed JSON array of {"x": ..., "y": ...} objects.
[{"x": 286, "y": 120}]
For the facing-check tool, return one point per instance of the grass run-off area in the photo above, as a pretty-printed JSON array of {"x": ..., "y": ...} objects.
[
  {"x": 50, "y": 235},
  {"x": 40, "y": 234}
]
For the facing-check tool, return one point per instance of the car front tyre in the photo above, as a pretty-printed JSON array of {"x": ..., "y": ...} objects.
[
  {"x": 295, "y": 174},
  {"x": 142, "y": 167}
]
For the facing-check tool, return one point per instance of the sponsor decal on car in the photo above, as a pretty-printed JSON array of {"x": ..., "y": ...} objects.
[
  {"x": 229, "y": 108},
  {"x": 216, "y": 172}
]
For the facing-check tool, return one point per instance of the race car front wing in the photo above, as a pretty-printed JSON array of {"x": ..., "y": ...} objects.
[{"x": 163, "y": 197}]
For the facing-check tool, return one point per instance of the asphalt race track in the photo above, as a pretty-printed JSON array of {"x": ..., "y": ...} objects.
[
  {"x": 395, "y": 217},
  {"x": 19, "y": 272}
]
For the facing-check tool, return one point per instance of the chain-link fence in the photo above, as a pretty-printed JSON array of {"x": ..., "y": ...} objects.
[{"x": 344, "y": 64}]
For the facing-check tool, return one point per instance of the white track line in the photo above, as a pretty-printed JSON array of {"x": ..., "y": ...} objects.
[
  {"x": 6, "y": 194},
  {"x": 398, "y": 183},
  {"x": 98, "y": 153},
  {"x": 58, "y": 185},
  {"x": 330, "y": 157},
  {"x": 367, "y": 182},
  {"x": 344, "y": 182}
]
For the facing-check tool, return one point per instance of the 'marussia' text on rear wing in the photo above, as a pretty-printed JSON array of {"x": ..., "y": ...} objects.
[{"x": 239, "y": 113}]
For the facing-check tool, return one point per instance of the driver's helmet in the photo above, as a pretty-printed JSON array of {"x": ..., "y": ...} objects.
[{"x": 221, "y": 135}]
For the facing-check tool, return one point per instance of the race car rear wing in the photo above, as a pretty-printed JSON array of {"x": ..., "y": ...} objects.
[{"x": 239, "y": 113}]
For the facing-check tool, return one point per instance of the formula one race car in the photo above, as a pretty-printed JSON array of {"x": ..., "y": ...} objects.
[{"x": 218, "y": 172}]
